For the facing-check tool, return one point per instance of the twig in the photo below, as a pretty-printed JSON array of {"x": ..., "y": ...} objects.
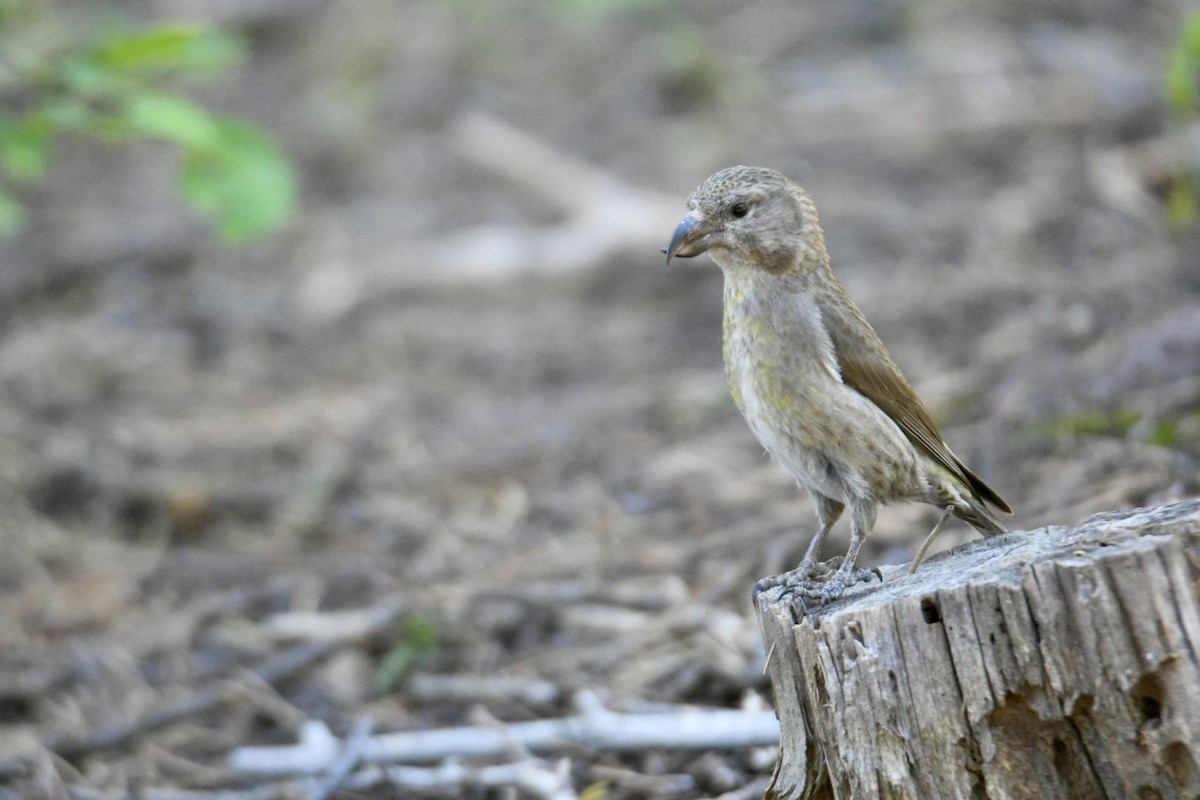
[
  {"x": 531, "y": 775},
  {"x": 573, "y": 185},
  {"x": 596, "y": 728},
  {"x": 268, "y": 792},
  {"x": 475, "y": 689},
  {"x": 602, "y": 215},
  {"x": 345, "y": 762},
  {"x": 273, "y": 670},
  {"x": 318, "y": 626},
  {"x": 277, "y": 668}
]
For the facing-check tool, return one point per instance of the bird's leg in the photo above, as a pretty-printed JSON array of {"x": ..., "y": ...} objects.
[
  {"x": 862, "y": 520},
  {"x": 828, "y": 512},
  {"x": 920, "y": 556},
  {"x": 804, "y": 585}
]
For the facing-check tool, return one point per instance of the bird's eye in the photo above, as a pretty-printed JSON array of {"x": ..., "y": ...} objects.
[{"x": 738, "y": 210}]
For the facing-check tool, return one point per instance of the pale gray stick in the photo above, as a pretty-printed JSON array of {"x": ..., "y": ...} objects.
[{"x": 596, "y": 729}]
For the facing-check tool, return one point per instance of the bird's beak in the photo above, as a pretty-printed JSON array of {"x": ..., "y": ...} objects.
[{"x": 689, "y": 238}]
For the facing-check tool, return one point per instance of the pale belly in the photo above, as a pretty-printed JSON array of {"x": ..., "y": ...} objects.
[
  {"x": 807, "y": 463},
  {"x": 829, "y": 437}
]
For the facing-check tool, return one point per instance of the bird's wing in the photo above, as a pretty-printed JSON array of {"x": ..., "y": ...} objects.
[{"x": 867, "y": 368}]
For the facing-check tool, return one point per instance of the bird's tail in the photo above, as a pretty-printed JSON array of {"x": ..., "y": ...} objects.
[
  {"x": 974, "y": 507},
  {"x": 973, "y": 510}
]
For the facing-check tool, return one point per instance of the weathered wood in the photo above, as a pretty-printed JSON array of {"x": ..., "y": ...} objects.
[{"x": 1060, "y": 663}]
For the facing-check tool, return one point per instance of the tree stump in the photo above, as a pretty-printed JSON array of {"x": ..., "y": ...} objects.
[{"x": 1056, "y": 663}]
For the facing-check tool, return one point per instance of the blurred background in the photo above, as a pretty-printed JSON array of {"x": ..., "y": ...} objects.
[{"x": 313, "y": 309}]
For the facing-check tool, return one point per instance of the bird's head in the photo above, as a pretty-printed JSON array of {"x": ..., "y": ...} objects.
[{"x": 750, "y": 217}]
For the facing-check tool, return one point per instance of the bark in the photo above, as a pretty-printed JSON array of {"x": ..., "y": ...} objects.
[{"x": 1060, "y": 662}]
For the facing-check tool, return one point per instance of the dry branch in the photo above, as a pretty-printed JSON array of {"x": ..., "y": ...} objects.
[
  {"x": 346, "y": 761},
  {"x": 433, "y": 688},
  {"x": 530, "y": 775},
  {"x": 275, "y": 669},
  {"x": 1054, "y": 663},
  {"x": 596, "y": 728},
  {"x": 602, "y": 215}
]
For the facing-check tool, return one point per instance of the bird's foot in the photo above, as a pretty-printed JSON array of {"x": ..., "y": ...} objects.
[
  {"x": 807, "y": 572},
  {"x": 821, "y": 583}
]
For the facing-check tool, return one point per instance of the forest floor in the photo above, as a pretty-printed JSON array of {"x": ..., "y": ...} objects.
[{"x": 456, "y": 448}]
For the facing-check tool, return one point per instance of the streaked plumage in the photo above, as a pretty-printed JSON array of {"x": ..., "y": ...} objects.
[{"x": 814, "y": 382}]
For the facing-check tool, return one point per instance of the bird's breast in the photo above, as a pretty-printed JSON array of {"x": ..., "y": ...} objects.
[
  {"x": 775, "y": 346},
  {"x": 777, "y": 374}
]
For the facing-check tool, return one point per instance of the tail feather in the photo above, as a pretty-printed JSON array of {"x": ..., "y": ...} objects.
[
  {"x": 983, "y": 491},
  {"x": 975, "y": 512},
  {"x": 974, "y": 509}
]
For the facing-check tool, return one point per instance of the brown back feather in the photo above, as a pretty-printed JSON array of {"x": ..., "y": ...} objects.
[{"x": 868, "y": 369}]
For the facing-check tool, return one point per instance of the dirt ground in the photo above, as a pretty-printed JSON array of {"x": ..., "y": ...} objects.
[{"x": 459, "y": 423}]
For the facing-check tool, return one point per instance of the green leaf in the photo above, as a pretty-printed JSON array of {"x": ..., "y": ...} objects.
[
  {"x": 171, "y": 117},
  {"x": 596, "y": 791},
  {"x": 1181, "y": 81},
  {"x": 419, "y": 640},
  {"x": 1190, "y": 40},
  {"x": 1183, "y": 68},
  {"x": 85, "y": 77},
  {"x": 1181, "y": 202},
  {"x": 170, "y": 49},
  {"x": 1164, "y": 434},
  {"x": 12, "y": 215},
  {"x": 25, "y": 149},
  {"x": 242, "y": 180},
  {"x": 64, "y": 113}
]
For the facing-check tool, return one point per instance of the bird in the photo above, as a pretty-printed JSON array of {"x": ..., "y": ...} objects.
[{"x": 814, "y": 381}]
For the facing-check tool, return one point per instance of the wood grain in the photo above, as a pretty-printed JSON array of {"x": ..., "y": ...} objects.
[{"x": 1060, "y": 662}]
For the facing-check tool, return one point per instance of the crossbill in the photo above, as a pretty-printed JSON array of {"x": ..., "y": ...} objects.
[{"x": 811, "y": 377}]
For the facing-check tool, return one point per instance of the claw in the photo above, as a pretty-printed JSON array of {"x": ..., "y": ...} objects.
[
  {"x": 763, "y": 585},
  {"x": 824, "y": 582}
]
